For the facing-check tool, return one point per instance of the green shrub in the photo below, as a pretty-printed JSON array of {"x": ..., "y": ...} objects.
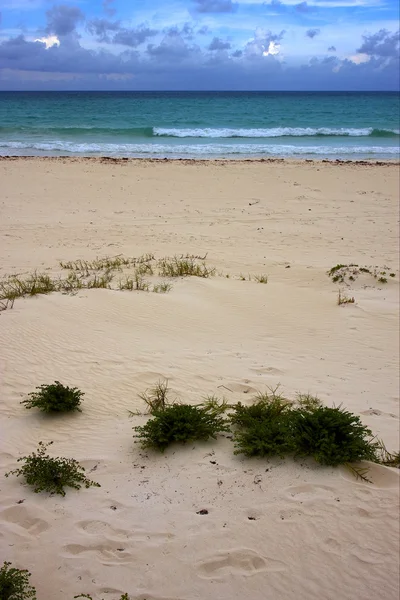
[
  {"x": 332, "y": 436},
  {"x": 51, "y": 475},
  {"x": 55, "y": 397},
  {"x": 14, "y": 584},
  {"x": 180, "y": 423},
  {"x": 263, "y": 427}
]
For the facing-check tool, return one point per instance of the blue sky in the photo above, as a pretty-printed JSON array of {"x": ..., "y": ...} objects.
[{"x": 199, "y": 44}]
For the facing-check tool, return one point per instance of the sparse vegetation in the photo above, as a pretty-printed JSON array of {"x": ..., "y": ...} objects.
[
  {"x": 180, "y": 423},
  {"x": 156, "y": 398},
  {"x": 184, "y": 266},
  {"x": 261, "y": 278},
  {"x": 55, "y": 398},
  {"x": 14, "y": 584},
  {"x": 349, "y": 273},
  {"x": 48, "y": 474},
  {"x": 162, "y": 288},
  {"x": 343, "y": 299}
]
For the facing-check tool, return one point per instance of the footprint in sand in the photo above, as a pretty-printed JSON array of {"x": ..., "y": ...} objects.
[
  {"x": 109, "y": 553},
  {"x": 22, "y": 518},
  {"x": 134, "y": 534},
  {"x": 308, "y": 491},
  {"x": 241, "y": 561},
  {"x": 378, "y": 413}
]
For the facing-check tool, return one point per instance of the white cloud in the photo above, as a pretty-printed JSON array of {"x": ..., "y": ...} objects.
[
  {"x": 49, "y": 41},
  {"x": 272, "y": 50}
]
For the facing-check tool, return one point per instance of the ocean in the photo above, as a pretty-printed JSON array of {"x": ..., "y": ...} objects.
[{"x": 330, "y": 125}]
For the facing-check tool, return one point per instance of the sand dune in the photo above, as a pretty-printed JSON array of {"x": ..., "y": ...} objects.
[{"x": 274, "y": 529}]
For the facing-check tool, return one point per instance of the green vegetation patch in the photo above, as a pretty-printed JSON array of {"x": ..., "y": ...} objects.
[
  {"x": 14, "y": 584},
  {"x": 55, "y": 398},
  {"x": 48, "y": 474}
]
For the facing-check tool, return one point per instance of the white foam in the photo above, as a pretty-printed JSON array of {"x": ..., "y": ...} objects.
[
  {"x": 192, "y": 150},
  {"x": 262, "y": 133}
]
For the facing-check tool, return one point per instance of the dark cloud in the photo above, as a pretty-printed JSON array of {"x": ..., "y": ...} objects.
[
  {"x": 133, "y": 37},
  {"x": 332, "y": 49},
  {"x": 215, "y": 6},
  {"x": 101, "y": 29},
  {"x": 186, "y": 31},
  {"x": 111, "y": 32},
  {"x": 177, "y": 64},
  {"x": 62, "y": 19},
  {"x": 276, "y": 5},
  {"x": 218, "y": 44},
  {"x": 304, "y": 8},
  {"x": 204, "y": 30},
  {"x": 312, "y": 33},
  {"x": 382, "y": 43},
  {"x": 108, "y": 7}
]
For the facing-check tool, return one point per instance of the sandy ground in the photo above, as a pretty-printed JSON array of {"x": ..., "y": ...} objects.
[{"x": 275, "y": 530}]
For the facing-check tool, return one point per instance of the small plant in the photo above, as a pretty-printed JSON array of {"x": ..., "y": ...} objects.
[
  {"x": 156, "y": 398},
  {"x": 332, "y": 436},
  {"x": 162, "y": 288},
  {"x": 184, "y": 266},
  {"x": 14, "y": 584},
  {"x": 261, "y": 278},
  {"x": 100, "y": 281},
  {"x": 180, "y": 423},
  {"x": 382, "y": 280},
  {"x": 55, "y": 397},
  {"x": 51, "y": 475},
  {"x": 343, "y": 299}
]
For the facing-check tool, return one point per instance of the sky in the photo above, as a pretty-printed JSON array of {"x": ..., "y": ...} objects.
[{"x": 199, "y": 45}]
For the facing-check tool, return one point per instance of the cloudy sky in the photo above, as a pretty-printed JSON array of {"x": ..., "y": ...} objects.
[{"x": 199, "y": 44}]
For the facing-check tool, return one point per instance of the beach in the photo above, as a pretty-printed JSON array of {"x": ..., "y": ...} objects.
[{"x": 277, "y": 529}]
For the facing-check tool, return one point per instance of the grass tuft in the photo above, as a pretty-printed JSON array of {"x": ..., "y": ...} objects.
[
  {"x": 343, "y": 299},
  {"x": 261, "y": 278},
  {"x": 156, "y": 398},
  {"x": 184, "y": 266}
]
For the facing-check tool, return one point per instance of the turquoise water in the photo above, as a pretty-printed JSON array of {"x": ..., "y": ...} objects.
[{"x": 201, "y": 125}]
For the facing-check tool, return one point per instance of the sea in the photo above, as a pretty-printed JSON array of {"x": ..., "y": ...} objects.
[{"x": 201, "y": 125}]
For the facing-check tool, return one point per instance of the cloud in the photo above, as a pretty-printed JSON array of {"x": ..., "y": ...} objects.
[
  {"x": 177, "y": 63},
  {"x": 382, "y": 43},
  {"x": 215, "y": 6},
  {"x": 101, "y": 28},
  {"x": 204, "y": 30},
  {"x": 108, "y": 7},
  {"x": 312, "y": 33},
  {"x": 218, "y": 44},
  {"x": 332, "y": 49},
  {"x": 133, "y": 37},
  {"x": 49, "y": 41},
  {"x": 111, "y": 32},
  {"x": 304, "y": 8},
  {"x": 62, "y": 19}
]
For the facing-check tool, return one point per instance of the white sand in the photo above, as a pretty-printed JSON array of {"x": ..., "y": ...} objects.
[{"x": 316, "y": 533}]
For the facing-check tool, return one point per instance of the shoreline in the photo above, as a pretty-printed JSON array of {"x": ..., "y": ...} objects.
[{"x": 204, "y": 161}]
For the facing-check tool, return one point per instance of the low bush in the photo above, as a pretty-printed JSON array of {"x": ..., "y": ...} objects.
[
  {"x": 48, "y": 474},
  {"x": 332, "y": 436},
  {"x": 180, "y": 423},
  {"x": 263, "y": 427},
  {"x": 274, "y": 426},
  {"x": 14, "y": 584},
  {"x": 55, "y": 397}
]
